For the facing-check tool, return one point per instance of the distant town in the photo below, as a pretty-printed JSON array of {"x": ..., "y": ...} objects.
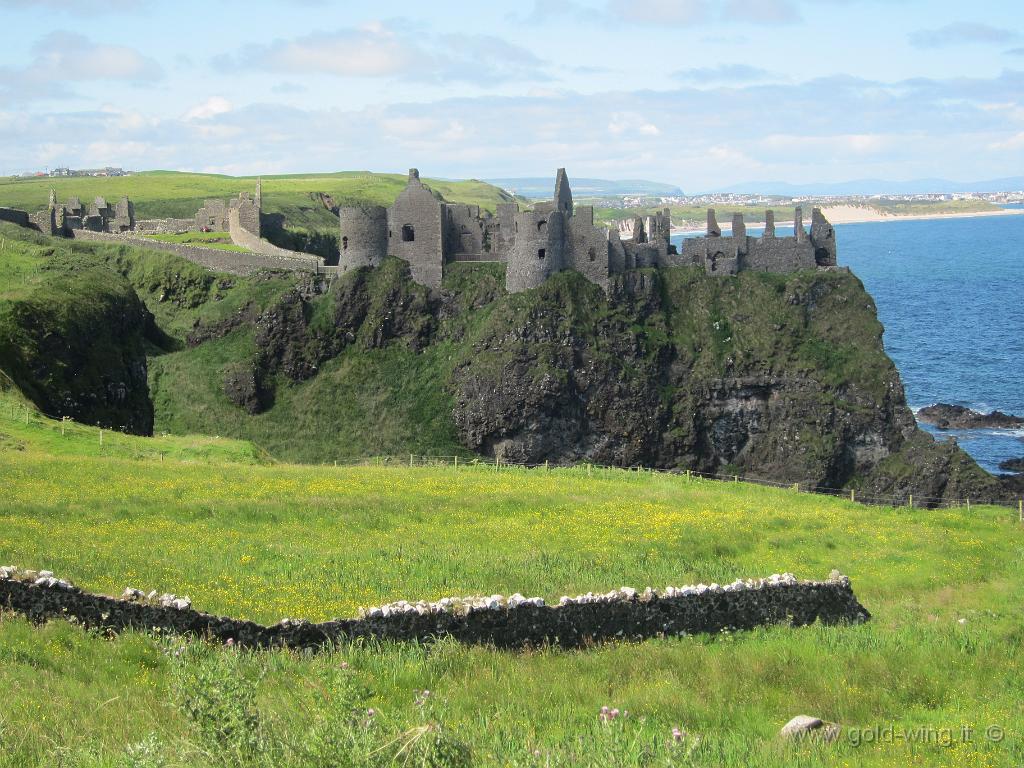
[{"x": 66, "y": 172}]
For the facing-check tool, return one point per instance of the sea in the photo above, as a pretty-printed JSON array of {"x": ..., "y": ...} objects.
[{"x": 950, "y": 293}]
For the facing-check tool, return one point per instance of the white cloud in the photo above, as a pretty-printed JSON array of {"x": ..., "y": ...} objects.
[
  {"x": 661, "y": 12},
  {"x": 63, "y": 58},
  {"x": 213, "y": 106},
  {"x": 698, "y": 138},
  {"x": 961, "y": 33},
  {"x": 379, "y": 49}
]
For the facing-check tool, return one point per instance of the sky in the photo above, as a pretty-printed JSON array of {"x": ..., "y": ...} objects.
[{"x": 699, "y": 93}]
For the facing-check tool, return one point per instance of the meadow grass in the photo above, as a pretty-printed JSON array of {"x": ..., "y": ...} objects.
[
  {"x": 218, "y": 240},
  {"x": 161, "y": 194},
  {"x": 259, "y": 540}
]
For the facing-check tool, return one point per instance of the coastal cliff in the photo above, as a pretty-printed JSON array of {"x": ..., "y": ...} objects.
[{"x": 779, "y": 377}]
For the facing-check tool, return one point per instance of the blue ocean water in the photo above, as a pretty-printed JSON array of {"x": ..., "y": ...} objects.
[{"x": 950, "y": 293}]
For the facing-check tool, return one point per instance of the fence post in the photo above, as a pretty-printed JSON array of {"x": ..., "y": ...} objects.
[
  {"x": 545, "y": 465},
  {"x": 101, "y": 437},
  {"x": 911, "y": 505},
  {"x": 410, "y": 459},
  {"x": 1020, "y": 509},
  {"x": 796, "y": 487},
  {"x": 735, "y": 478},
  {"x": 852, "y": 497},
  {"x": 456, "y": 462},
  {"x": 968, "y": 503}
]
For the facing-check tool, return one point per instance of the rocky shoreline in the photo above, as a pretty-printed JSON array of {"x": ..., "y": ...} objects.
[{"x": 946, "y": 416}]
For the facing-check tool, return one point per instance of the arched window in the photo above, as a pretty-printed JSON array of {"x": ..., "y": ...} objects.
[
  {"x": 592, "y": 253},
  {"x": 541, "y": 224},
  {"x": 408, "y": 233},
  {"x": 344, "y": 243}
]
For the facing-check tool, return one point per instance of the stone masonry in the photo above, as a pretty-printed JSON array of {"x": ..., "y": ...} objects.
[
  {"x": 513, "y": 622},
  {"x": 556, "y": 235}
]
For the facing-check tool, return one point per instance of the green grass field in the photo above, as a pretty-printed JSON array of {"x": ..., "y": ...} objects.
[
  {"x": 162, "y": 194},
  {"x": 213, "y": 519},
  {"x": 219, "y": 240}
]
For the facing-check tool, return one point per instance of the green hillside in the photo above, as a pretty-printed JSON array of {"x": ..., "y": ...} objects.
[
  {"x": 204, "y": 517},
  {"x": 171, "y": 194}
]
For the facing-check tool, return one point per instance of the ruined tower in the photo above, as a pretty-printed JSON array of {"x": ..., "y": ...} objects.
[
  {"x": 363, "y": 237},
  {"x": 563, "y": 194}
]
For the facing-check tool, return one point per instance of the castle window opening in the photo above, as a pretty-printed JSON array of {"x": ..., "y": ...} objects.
[
  {"x": 408, "y": 233},
  {"x": 592, "y": 253},
  {"x": 541, "y": 253},
  {"x": 344, "y": 243},
  {"x": 541, "y": 224}
]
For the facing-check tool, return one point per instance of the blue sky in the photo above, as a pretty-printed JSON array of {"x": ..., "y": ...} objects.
[{"x": 700, "y": 93}]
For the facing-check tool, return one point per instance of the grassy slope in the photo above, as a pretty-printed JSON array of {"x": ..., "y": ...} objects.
[
  {"x": 219, "y": 240},
  {"x": 159, "y": 194},
  {"x": 265, "y": 541}
]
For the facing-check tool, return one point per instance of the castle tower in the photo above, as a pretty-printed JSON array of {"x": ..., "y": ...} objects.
[
  {"x": 539, "y": 249},
  {"x": 798, "y": 225},
  {"x": 563, "y": 195},
  {"x": 713, "y": 229},
  {"x": 769, "y": 224},
  {"x": 258, "y": 199},
  {"x": 53, "y": 199},
  {"x": 639, "y": 231},
  {"x": 363, "y": 237},
  {"x": 823, "y": 237}
]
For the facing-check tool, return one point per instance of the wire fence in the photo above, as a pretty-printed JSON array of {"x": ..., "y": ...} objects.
[{"x": 30, "y": 414}]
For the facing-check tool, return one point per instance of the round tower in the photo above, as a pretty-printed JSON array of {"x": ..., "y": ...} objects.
[
  {"x": 363, "y": 237},
  {"x": 538, "y": 249}
]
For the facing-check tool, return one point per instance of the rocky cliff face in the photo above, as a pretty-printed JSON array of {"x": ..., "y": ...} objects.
[
  {"x": 75, "y": 345},
  {"x": 779, "y": 377},
  {"x": 783, "y": 378}
]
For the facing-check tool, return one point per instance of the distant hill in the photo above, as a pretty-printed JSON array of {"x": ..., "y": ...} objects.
[
  {"x": 876, "y": 187},
  {"x": 544, "y": 187}
]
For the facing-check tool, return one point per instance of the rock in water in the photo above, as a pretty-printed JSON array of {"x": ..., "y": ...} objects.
[
  {"x": 1012, "y": 465},
  {"x": 946, "y": 416}
]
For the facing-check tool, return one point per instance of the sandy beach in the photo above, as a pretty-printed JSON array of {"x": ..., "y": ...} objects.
[
  {"x": 856, "y": 214},
  {"x": 859, "y": 214}
]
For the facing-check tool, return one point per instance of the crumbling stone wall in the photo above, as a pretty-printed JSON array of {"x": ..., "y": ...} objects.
[
  {"x": 232, "y": 262},
  {"x": 741, "y": 252},
  {"x": 515, "y": 622},
  {"x": 416, "y": 231},
  {"x": 14, "y": 216}
]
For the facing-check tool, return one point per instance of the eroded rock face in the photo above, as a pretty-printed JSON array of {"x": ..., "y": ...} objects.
[
  {"x": 75, "y": 345},
  {"x": 652, "y": 379},
  {"x": 946, "y": 416}
]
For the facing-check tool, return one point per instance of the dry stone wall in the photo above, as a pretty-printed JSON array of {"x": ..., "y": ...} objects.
[{"x": 514, "y": 622}]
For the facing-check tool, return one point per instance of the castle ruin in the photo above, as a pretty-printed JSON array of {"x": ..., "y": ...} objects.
[
  {"x": 557, "y": 235},
  {"x": 429, "y": 233}
]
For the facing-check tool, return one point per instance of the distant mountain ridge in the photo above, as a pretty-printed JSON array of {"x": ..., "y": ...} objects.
[
  {"x": 876, "y": 187},
  {"x": 541, "y": 187}
]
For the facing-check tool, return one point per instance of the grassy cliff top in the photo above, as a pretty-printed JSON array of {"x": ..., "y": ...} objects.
[{"x": 172, "y": 194}]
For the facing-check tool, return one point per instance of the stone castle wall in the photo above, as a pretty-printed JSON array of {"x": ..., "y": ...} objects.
[
  {"x": 246, "y": 238},
  {"x": 14, "y": 216},
  {"x": 216, "y": 259},
  {"x": 516, "y": 622},
  {"x": 363, "y": 236},
  {"x": 416, "y": 232}
]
